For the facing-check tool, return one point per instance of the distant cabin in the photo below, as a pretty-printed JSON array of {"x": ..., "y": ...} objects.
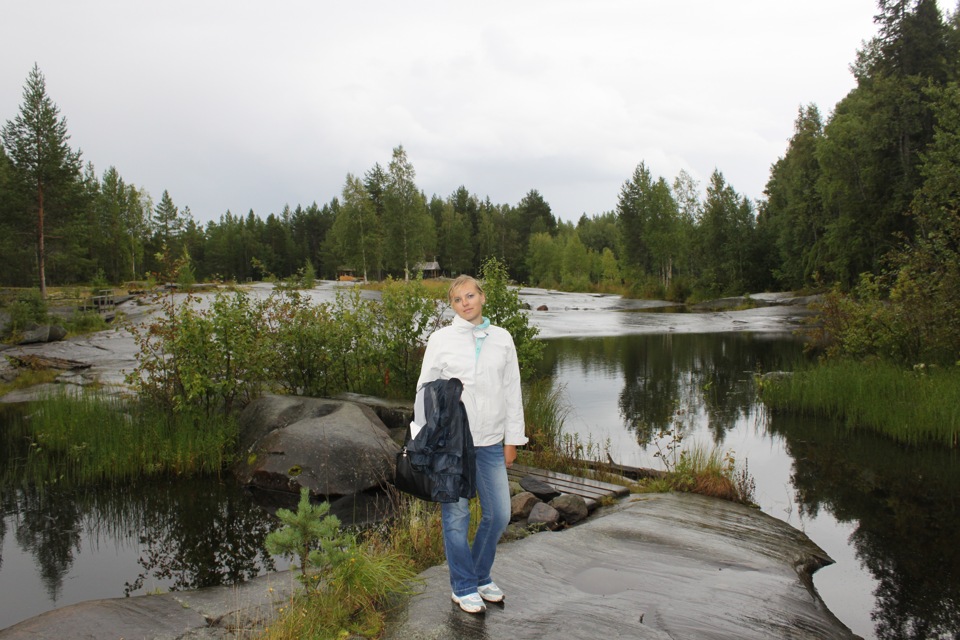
[
  {"x": 428, "y": 269},
  {"x": 346, "y": 275}
]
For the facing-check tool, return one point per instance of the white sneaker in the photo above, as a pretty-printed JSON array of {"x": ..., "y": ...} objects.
[
  {"x": 471, "y": 603},
  {"x": 490, "y": 592}
]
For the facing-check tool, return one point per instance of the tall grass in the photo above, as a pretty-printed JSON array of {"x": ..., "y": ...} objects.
[
  {"x": 910, "y": 406},
  {"x": 546, "y": 412},
  {"x": 414, "y": 531},
  {"x": 93, "y": 438}
]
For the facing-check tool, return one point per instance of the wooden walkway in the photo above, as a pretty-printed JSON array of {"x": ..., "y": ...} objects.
[{"x": 587, "y": 488}]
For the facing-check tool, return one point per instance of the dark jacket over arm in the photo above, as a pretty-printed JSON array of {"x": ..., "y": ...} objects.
[{"x": 443, "y": 449}]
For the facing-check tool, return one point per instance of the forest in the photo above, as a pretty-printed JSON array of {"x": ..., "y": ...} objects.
[{"x": 856, "y": 190}]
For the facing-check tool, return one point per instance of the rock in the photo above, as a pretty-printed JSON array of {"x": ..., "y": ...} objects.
[
  {"x": 521, "y": 505},
  {"x": 215, "y": 612},
  {"x": 543, "y": 307},
  {"x": 331, "y": 447},
  {"x": 543, "y": 516},
  {"x": 668, "y": 565},
  {"x": 572, "y": 508},
  {"x": 270, "y": 412},
  {"x": 43, "y": 333},
  {"x": 515, "y": 488},
  {"x": 8, "y": 373},
  {"x": 539, "y": 488},
  {"x": 395, "y": 414}
]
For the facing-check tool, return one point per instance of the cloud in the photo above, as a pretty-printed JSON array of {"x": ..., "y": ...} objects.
[{"x": 240, "y": 105}]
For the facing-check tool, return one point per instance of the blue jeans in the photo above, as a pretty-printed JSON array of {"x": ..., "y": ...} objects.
[{"x": 470, "y": 566}]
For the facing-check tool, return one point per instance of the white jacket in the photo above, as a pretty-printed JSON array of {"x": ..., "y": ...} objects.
[{"x": 491, "y": 381}]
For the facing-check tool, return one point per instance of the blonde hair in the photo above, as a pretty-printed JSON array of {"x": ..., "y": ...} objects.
[{"x": 460, "y": 281}]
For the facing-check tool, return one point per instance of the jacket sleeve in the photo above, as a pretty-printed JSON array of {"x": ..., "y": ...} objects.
[
  {"x": 431, "y": 369},
  {"x": 515, "y": 428}
]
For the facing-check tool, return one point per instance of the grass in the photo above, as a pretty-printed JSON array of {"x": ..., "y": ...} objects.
[
  {"x": 29, "y": 378},
  {"x": 706, "y": 471},
  {"x": 94, "y": 438},
  {"x": 357, "y": 603},
  {"x": 910, "y": 406}
]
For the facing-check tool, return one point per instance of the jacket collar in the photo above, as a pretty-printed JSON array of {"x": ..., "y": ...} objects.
[{"x": 463, "y": 325}]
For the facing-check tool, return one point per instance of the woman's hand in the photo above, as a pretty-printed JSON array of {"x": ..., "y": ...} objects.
[{"x": 509, "y": 454}]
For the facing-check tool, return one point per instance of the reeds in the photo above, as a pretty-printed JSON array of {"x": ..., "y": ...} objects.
[
  {"x": 93, "y": 438},
  {"x": 915, "y": 406},
  {"x": 545, "y": 412}
]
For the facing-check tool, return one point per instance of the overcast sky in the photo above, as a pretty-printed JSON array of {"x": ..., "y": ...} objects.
[{"x": 253, "y": 105}]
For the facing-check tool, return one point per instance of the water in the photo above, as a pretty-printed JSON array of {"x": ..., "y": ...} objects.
[
  {"x": 886, "y": 514},
  {"x": 60, "y": 545}
]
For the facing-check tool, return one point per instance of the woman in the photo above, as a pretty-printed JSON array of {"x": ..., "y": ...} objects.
[{"x": 484, "y": 358}]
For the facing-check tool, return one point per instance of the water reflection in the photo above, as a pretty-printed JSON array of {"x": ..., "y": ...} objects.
[
  {"x": 708, "y": 378},
  {"x": 906, "y": 503},
  {"x": 72, "y": 544},
  {"x": 901, "y": 505}
]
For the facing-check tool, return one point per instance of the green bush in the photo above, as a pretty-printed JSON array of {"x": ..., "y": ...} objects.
[
  {"x": 504, "y": 309},
  {"x": 28, "y": 308},
  {"x": 85, "y": 322},
  {"x": 210, "y": 358},
  {"x": 224, "y": 356},
  {"x": 407, "y": 314}
]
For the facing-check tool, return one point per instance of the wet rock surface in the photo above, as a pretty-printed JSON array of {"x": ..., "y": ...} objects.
[
  {"x": 656, "y": 566},
  {"x": 217, "y": 612}
]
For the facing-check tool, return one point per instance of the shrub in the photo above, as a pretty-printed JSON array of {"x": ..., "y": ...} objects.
[
  {"x": 345, "y": 583},
  {"x": 209, "y": 358},
  {"x": 85, "y": 322},
  {"x": 407, "y": 313},
  {"x": 504, "y": 309},
  {"x": 29, "y": 308}
]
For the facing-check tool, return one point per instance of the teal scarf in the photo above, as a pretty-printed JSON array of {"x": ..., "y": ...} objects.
[{"x": 480, "y": 334}]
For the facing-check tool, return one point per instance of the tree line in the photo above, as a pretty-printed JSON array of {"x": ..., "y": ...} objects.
[{"x": 851, "y": 188}]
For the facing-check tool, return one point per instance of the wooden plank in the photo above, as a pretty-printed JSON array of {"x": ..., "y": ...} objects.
[
  {"x": 591, "y": 490},
  {"x": 569, "y": 487},
  {"x": 554, "y": 476}
]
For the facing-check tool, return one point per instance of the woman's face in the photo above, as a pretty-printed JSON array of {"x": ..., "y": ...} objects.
[{"x": 467, "y": 302}]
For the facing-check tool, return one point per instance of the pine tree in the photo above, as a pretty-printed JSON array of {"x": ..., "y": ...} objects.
[
  {"x": 406, "y": 221},
  {"x": 36, "y": 142}
]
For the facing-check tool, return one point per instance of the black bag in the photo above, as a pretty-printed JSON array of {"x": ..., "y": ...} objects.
[{"x": 410, "y": 480}]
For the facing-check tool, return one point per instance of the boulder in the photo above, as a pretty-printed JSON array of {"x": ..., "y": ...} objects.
[
  {"x": 271, "y": 412},
  {"x": 396, "y": 414},
  {"x": 521, "y": 505},
  {"x": 572, "y": 508},
  {"x": 43, "y": 333},
  {"x": 543, "y": 516},
  {"x": 333, "y": 448},
  {"x": 539, "y": 488}
]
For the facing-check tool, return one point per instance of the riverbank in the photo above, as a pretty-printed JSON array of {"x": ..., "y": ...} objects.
[{"x": 109, "y": 355}]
